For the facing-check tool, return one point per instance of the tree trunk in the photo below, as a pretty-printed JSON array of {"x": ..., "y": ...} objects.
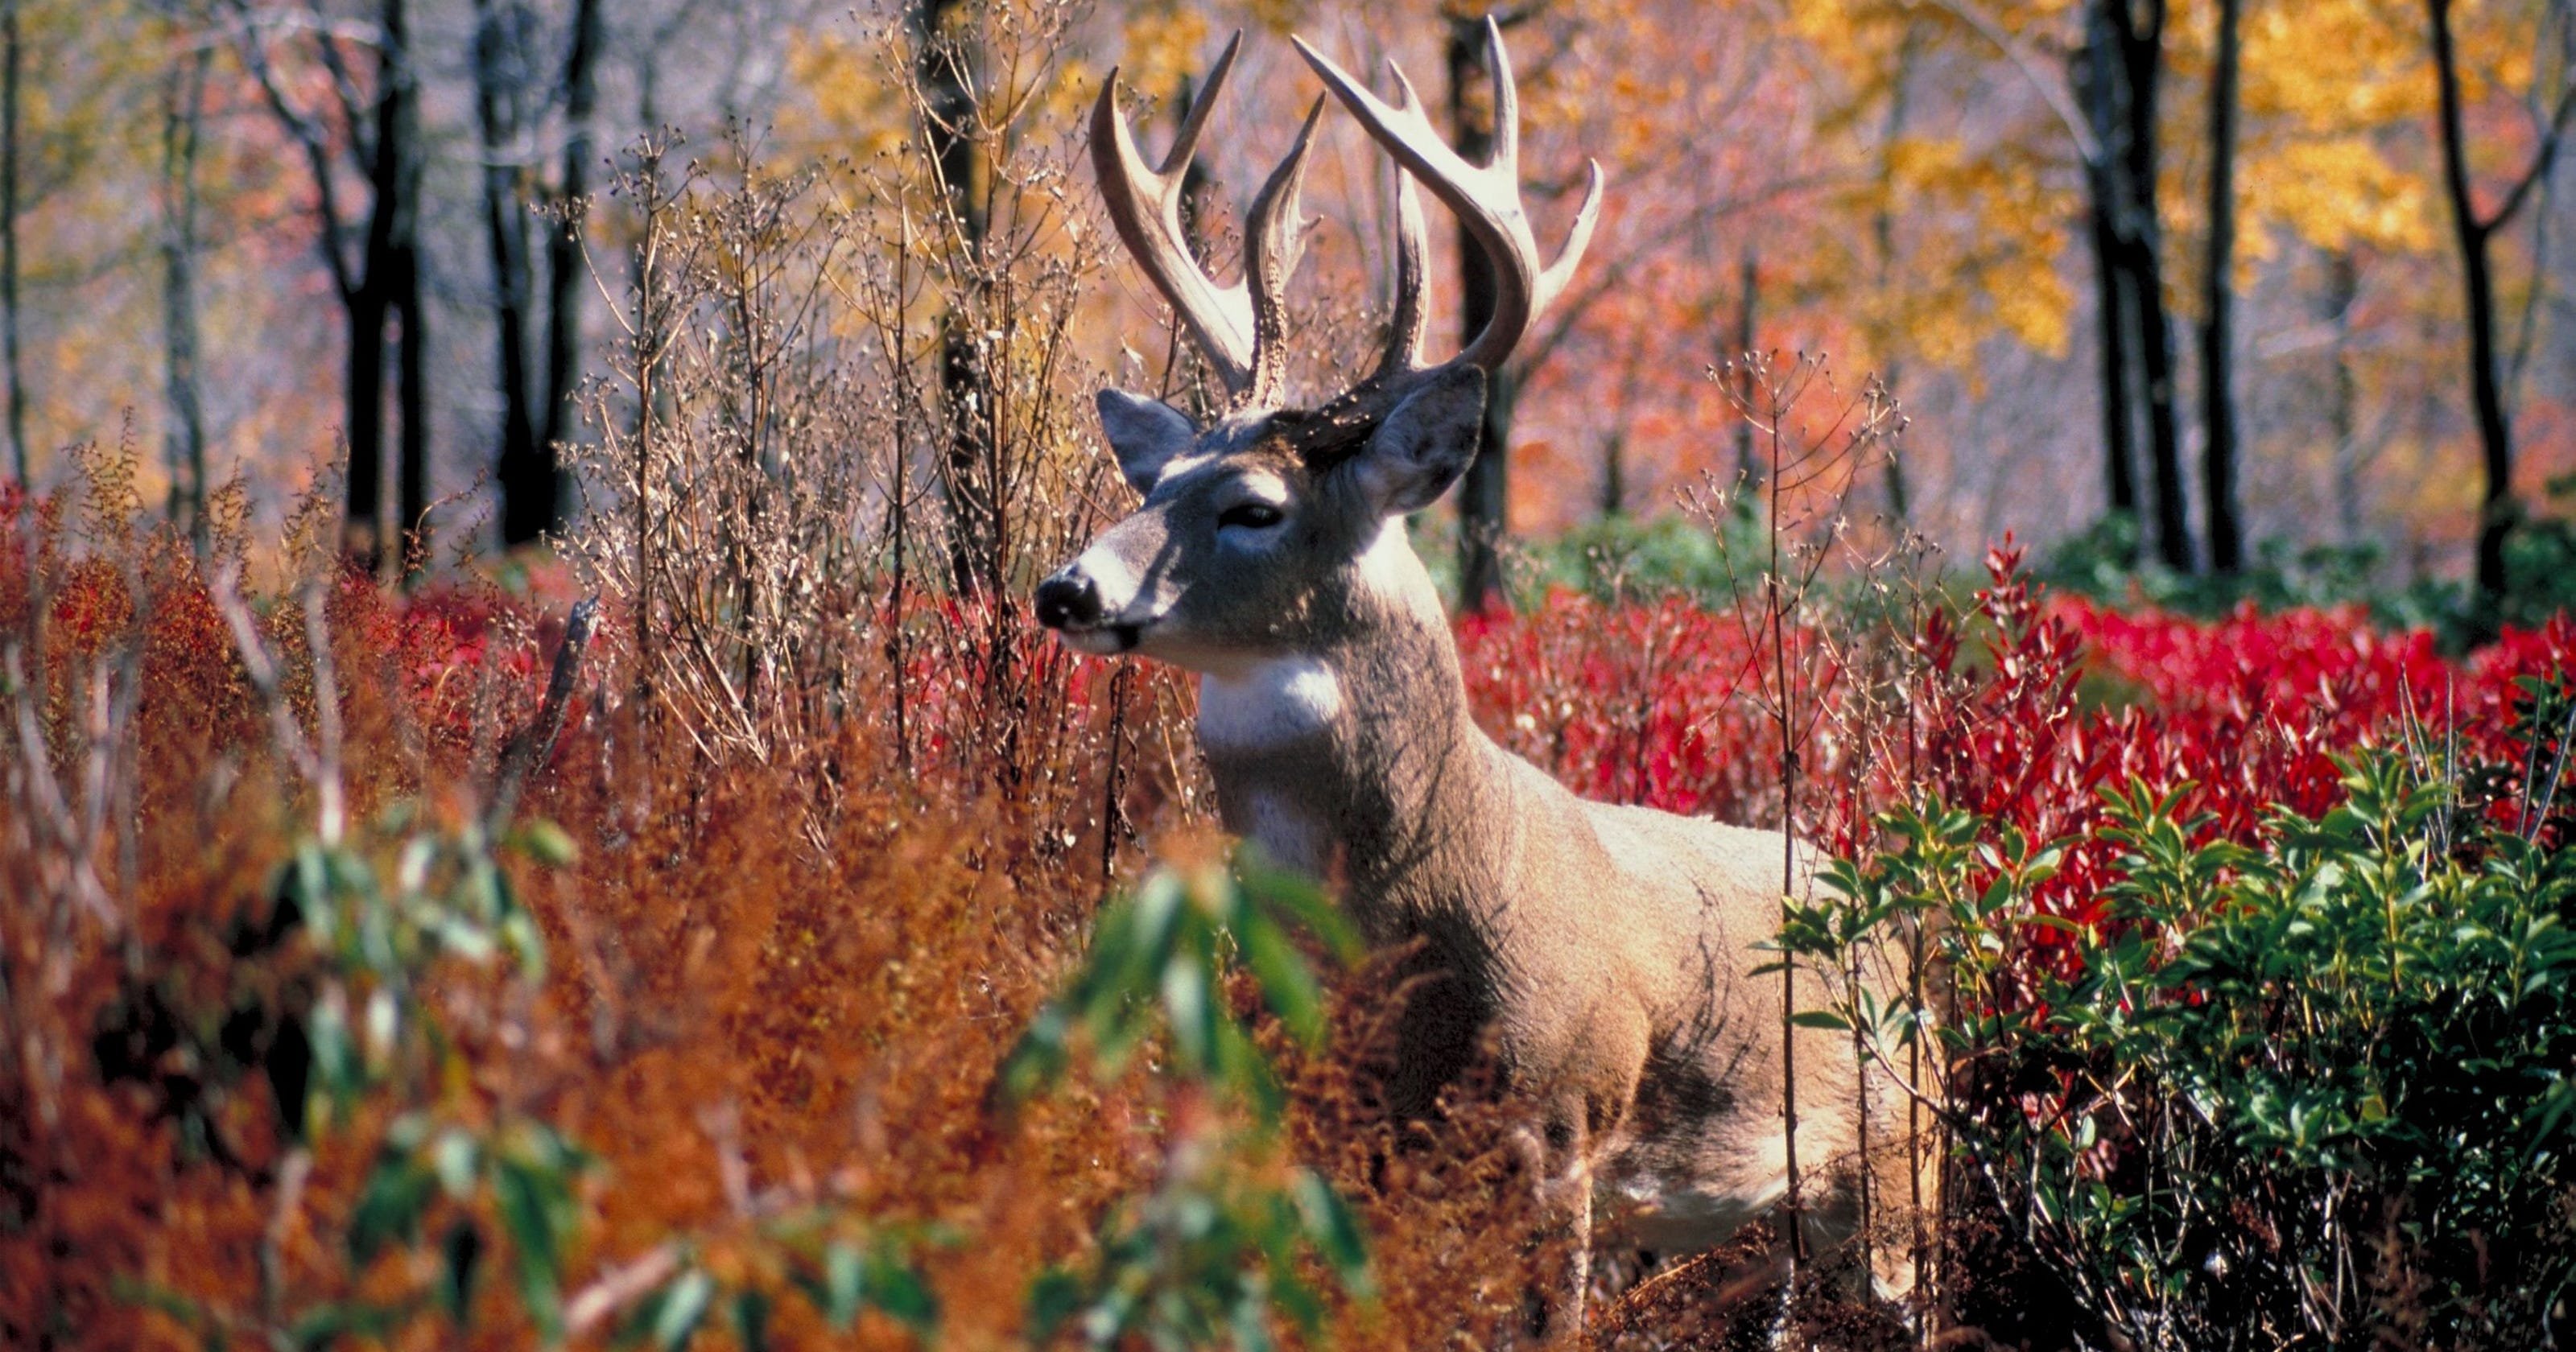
[
  {"x": 12, "y": 58},
  {"x": 2498, "y": 512},
  {"x": 362, "y": 524},
  {"x": 1619, "y": 422},
  {"x": 2117, "y": 72},
  {"x": 377, "y": 293},
  {"x": 1748, "y": 282},
  {"x": 2164, "y": 433},
  {"x": 2217, "y": 339},
  {"x": 566, "y": 269},
  {"x": 527, "y": 480},
  {"x": 183, "y": 117},
  {"x": 943, "y": 68},
  {"x": 413, "y": 396},
  {"x": 1883, "y": 235},
  {"x": 2343, "y": 287},
  {"x": 1614, "y": 474},
  {"x": 2115, "y": 324},
  {"x": 2100, "y": 84},
  {"x": 1484, "y": 491},
  {"x": 398, "y": 174},
  {"x": 384, "y": 279},
  {"x": 2141, "y": 41}
]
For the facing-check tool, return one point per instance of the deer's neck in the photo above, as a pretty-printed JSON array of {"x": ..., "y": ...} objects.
[{"x": 1360, "y": 758}]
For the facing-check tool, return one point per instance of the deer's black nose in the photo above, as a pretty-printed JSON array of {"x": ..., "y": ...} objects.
[{"x": 1068, "y": 602}]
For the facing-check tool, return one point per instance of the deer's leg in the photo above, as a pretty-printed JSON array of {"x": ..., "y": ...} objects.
[
  {"x": 1831, "y": 1222},
  {"x": 1568, "y": 1326},
  {"x": 1560, "y": 1160}
]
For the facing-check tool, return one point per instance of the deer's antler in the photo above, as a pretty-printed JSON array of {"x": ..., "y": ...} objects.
[
  {"x": 1240, "y": 328},
  {"x": 1487, "y": 199}
]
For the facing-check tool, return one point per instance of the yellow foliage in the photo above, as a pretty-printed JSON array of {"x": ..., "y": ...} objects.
[
  {"x": 845, "y": 102},
  {"x": 1988, "y": 231},
  {"x": 1164, "y": 43},
  {"x": 2336, "y": 65},
  {"x": 2032, "y": 301},
  {"x": 2341, "y": 192}
]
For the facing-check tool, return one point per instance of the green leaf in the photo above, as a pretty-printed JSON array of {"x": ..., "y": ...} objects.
[
  {"x": 892, "y": 1286},
  {"x": 526, "y": 1200},
  {"x": 1300, "y": 902},
  {"x": 683, "y": 1303},
  {"x": 389, "y": 1207},
  {"x": 461, "y": 1255},
  {"x": 1056, "y": 1296},
  {"x": 546, "y": 843},
  {"x": 454, "y": 1158},
  {"x": 1820, "y": 1018},
  {"x": 1330, "y": 1224},
  {"x": 1189, "y": 1009},
  {"x": 750, "y": 1319},
  {"x": 844, "y": 1283},
  {"x": 1287, "y": 986},
  {"x": 335, "y": 1054}
]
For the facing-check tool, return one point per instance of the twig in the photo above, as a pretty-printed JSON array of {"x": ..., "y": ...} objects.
[
  {"x": 45, "y": 802},
  {"x": 291, "y": 1177},
  {"x": 529, "y": 746},
  {"x": 262, "y": 671},
  {"x": 621, "y": 1286},
  {"x": 326, "y": 709},
  {"x": 2557, "y": 775}
]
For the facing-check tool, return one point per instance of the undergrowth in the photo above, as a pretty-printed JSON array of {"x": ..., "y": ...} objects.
[{"x": 751, "y": 930}]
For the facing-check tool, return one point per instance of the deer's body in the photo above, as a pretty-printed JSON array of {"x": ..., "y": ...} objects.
[
  {"x": 1607, "y": 953},
  {"x": 1605, "y": 948}
]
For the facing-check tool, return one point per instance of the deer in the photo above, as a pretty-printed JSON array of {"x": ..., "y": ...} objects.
[{"x": 1605, "y": 955}]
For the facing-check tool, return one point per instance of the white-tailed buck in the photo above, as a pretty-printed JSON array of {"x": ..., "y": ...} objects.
[{"x": 1607, "y": 952}]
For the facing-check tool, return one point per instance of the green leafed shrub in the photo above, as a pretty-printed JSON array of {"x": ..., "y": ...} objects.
[
  {"x": 1162, "y": 957},
  {"x": 1226, "y": 1244},
  {"x": 2317, "y": 1093}
]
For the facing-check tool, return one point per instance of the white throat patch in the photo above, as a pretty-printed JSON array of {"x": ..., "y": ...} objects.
[
  {"x": 1388, "y": 567},
  {"x": 1273, "y": 703}
]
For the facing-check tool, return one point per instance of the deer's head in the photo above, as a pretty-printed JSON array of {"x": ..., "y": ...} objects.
[{"x": 1257, "y": 529}]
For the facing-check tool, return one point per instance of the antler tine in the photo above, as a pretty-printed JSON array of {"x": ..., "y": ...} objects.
[
  {"x": 1507, "y": 163},
  {"x": 1578, "y": 237},
  {"x": 1507, "y": 104},
  {"x": 1145, "y": 208},
  {"x": 1408, "y": 316},
  {"x": 1485, "y": 197},
  {"x": 1194, "y": 121},
  {"x": 1274, "y": 241}
]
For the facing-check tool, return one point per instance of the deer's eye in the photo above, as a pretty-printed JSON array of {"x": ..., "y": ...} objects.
[{"x": 1250, "y": 515}]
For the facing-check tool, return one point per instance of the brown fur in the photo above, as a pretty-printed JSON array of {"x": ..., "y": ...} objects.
[{"x": 1607, "y": 951}]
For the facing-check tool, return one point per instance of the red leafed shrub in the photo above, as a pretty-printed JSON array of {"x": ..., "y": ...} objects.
[
  {"x": 1993, "y": 709},
  {"x": 1632, "y": 704},
  {"x": 2253, "y": 710}
]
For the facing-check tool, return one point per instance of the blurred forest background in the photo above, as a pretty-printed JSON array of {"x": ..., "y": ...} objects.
[
  {"x": 789, "y": 938},
  {"x": 244, "y": 235}
]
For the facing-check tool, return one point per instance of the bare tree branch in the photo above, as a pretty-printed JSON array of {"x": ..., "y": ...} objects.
[{"x": 309, "y": 136}]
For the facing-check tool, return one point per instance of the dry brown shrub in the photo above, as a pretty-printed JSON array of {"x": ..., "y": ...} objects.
[{"x": 842, "y": 820}]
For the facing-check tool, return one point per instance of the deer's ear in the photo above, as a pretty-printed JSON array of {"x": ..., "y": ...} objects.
[
  {"x": 1425, "y": 444},
  {"x": 1144, "y": 434}
]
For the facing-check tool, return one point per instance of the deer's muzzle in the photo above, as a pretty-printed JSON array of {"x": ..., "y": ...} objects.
[
  {"x": 1068, "y": 600},
  {"x": 1069, "y": 603}
]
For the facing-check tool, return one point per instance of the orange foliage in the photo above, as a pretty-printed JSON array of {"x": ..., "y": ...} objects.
[{"x": 753, "y": 1006}]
